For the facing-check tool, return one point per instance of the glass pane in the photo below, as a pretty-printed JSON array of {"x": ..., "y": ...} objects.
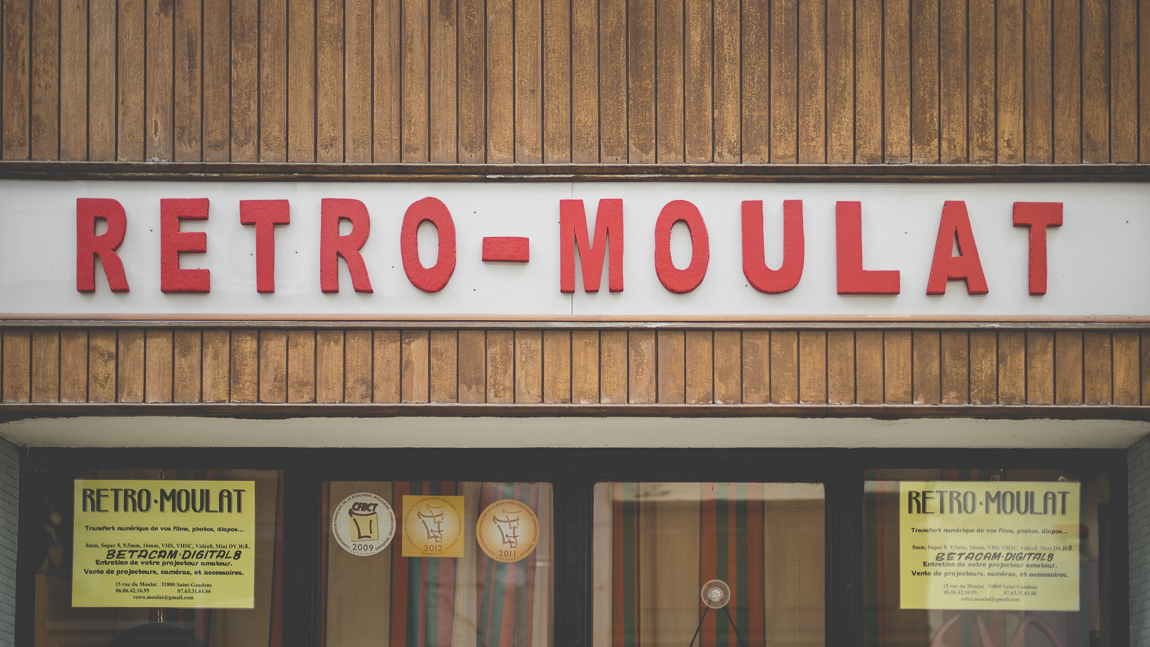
[
  {"x": 488, "y": 589},
  {"x": 986, "y": 557},
  {"x": 57, "y": 622},
  {"x": 658, "y": 544}
]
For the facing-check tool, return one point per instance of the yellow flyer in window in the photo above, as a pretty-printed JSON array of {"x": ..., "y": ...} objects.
[
  {"x": 994, "y": 546},
  {"x": 164, "y": 544},
  {"x": 432, "y": 526}
]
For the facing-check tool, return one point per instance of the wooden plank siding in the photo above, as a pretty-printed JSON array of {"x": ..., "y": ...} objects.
[
  {"x": 527, "y": 366},
  {"x": 596, "y": 81}
]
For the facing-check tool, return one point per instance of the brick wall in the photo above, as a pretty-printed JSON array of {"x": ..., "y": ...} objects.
[
  {"x": 1138, "y": 462},
  {"x": 9, "y": 504}
]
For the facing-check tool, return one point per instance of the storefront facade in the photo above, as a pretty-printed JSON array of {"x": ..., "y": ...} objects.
[{"x": 357, "y": 257}]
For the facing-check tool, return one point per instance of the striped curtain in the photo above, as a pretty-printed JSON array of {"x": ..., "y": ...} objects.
[{"x": 422, "y": 588}]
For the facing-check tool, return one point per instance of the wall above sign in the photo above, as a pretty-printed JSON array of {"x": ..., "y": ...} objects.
[{"x": 560, "y": 250}]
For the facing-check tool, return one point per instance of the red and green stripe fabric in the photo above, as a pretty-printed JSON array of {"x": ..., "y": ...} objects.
[{"x": 422, "y": 588}]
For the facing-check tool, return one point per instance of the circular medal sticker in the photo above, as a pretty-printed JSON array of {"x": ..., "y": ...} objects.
[
  {"x": 507, "y": 530},
  {"x": 363, "y": 524},
  {"x": 432, "y": 526}
]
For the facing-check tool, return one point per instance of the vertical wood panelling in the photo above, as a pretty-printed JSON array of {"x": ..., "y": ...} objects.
[
  {"x": 699, "y": 144},
  {"x": 301, "y": 79},
  {"x": 528, "y": 81},
  {"x": 74, "y": 366},
  {"x": 926, "y": 367},
  {"x": 413, "y": 366},
  {"x": 187, "y": 360},
  {"x": 812, "y": 82},
  {"x": 472, "y": 366},
  {"x": 756, "y": 77},
  {"x": 954, "y": 367},
  {"x": 1097, "y": 368},
  {"x": 669, "y": 63},
  {"x": 245, "y": 81},
  {"x": 784, "y": 366},
  {"x": 812, "y": 367},
  {"x": 585, "y": 81},
  {"x": 386, "y": 82},
  {"x": 16, "y": 375},
  {"x": 1123, "y": 81},
  {"x": 642, "y": 367},
  {"x": 840, "y": 86},
  {"x": 217, "y": 90},
  {"x": 357, "y": 82},
  {"x": 443, "y": 83},
  {"x": 45, "y": 365},
  {"x": 131, "y": 26},
  {"x": 216, "y": 363},
  {"x": 102, "y": 80},
  {"x": 329, "y": 365},
  {"x": 45, "y": 81},
  {"x": 983, "y": 367},
  {"x": 187, "y": 53},
  {"x": 1039, "y": 90},
  {"x": 130, "y": 365},
  {"x": 1039, "y": 367},
  {"x": 159, "y": 122},
  {"x": 840, "y": 367},
  {"x": 73, "y": 82},
  {"x": 728, "y": 366},
  {"x": 1012, "y": 367},
  {"x": 700, "y": 367},
  {"x": 640, "y": 73},
  {"x": 444, "y": 366},
  {"x": 1068, "y": 367},
  {"x": 244, "y": 365},
  {"x": 557, "y": 367},
  {"x": 357, "y": 357},
  {"x": 301, "y": 366},
  {"x": 584, "y": 366},
  {"x": 868, "y": 81},
  {"x": 1127, "y": 389},
  {"x": 896, "y": 80},
  {"x": 556, "y": 81},
  {"x": 385, "y": 366},
  {"x": 1095, "y": 81},
  {"x": 102, "y": 365},
  {"x": 500, "y": 81},
  {"x": 672, "y": 386},
  {"x": 756, "y": 356},
  {"x": 1067, "y": 82},
  {"x": 727, "y": 92},
  {"x": 612, "y": 41},
  {"x": 329, "y": 66},
  {"x": 501, "y": 366},
  {"x": 952, "y": 80},
  {"x": 273, "y": 366},
  {"x": 613, "y": 367},
  {"x": 982, "y": 124},
  {"x": 1010, "y": 81},
  {"x": 925, "y": 70},
  {"x": 784, "y": 81},
  {"x": 16, "y": 76},
  {"x": 158, "y": 365},
  {"x": 898, "y": 368},
  {"x": 528, "y": 367},
  {"x": 868, "y": 367},
  {"x": 274, "y": 81},
  {"x": 472, "y": 82}
]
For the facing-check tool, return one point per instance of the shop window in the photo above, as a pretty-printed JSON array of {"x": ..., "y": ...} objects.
[
  {"x": 656, "y": 545},
  {"x": 57, "y": 622},
  {"x": 435, "y": 564},
  {"x": 986, "y": 558}
]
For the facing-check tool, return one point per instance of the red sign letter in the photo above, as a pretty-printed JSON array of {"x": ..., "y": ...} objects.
[
  {"x": 89, "y": 245},
  {"x": 1038, "y": 216},
  {"x": 761, "y": 277},
  {"x": 174, "y": 242},
  {"x": 265, "y": 215},
  {"x": 332, "y": 245},
  {"x": 853, "y": 279},
  {"x": 674, "y": 279},
  {"x": 573, "y": 234},
  {"x": 955, "y": 223},
  {"x": 434, "y": 278}
]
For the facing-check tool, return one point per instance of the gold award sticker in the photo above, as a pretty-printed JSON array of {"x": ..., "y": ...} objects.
[
  {"x": 432, "y": 526},
  {"x": 508, "y": 530},
  {"x": 363, "y": 524}
]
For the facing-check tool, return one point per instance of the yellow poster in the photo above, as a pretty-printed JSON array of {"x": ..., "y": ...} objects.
[
  {"x": 432, "y": 526},
  {"x": 995, "y": 546},
  {"x": 164, "y": 544}
]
